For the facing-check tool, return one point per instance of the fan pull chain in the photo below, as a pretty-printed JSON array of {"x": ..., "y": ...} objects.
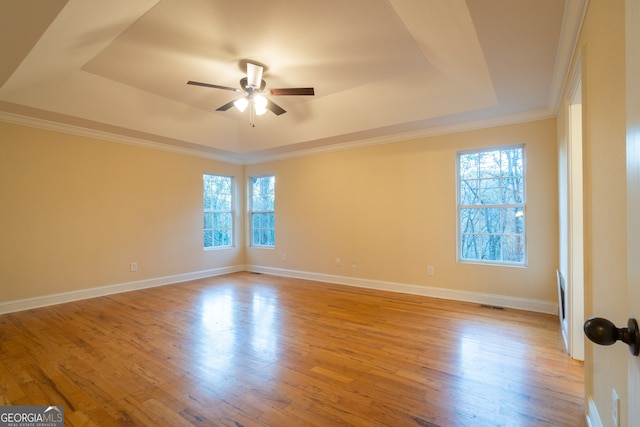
[{"x": 252, "y": 114}]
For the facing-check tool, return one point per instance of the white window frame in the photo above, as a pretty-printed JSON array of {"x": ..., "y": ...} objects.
[
  {"x": 260, "y": 211},
  {"x": 520, "y": 208},
  {"x": 207, "y": 210}
]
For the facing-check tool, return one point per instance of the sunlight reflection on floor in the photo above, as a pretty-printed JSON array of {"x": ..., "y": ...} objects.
[
  {"x": 489, "y": 370},
  {"x": 227, "y": 333}
]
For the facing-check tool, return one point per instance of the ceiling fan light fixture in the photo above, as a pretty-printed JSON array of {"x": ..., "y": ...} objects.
[
  {"x": 254, "y": 87},
  {"x": 241, "y": 104}
]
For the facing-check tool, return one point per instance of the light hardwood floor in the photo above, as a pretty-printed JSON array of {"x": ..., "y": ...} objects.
[{"x": 257, "y": 350}]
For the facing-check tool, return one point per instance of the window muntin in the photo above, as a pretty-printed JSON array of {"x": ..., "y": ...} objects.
[
  {"x": 218, "y": 211},
  {"x": 491, "y": 206},
  {"x": 262, "y": 211}
]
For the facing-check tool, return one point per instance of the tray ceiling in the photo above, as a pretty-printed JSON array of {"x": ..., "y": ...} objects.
[{"x": 381, "y": 69}]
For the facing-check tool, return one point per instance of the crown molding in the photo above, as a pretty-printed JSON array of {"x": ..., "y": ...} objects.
[
  {"x": 531, "y": 116},
  {"x": 265, "y": 156},
  {"x": 38, "y": 123}
]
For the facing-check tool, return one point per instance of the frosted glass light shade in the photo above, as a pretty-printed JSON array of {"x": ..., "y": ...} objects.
[
  {"x": 260, "y": 104},
  {"x": 241, "y": 104}
]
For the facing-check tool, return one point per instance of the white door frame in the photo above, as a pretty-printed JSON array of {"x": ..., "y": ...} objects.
[
  {"x": 575, "y": 283},
  {"x": 571, "y": 220}
]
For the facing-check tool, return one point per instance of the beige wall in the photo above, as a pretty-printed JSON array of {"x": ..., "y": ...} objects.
[
  {"x": 75, "y": 212},
  {"x": 601, "y": 49},
  {"x": 391, "y": 209}
]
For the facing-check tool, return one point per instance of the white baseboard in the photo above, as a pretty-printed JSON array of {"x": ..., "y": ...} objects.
[
  {"x": 52, "y": 299},
  {"x": 593, "y": 417},
  {"x": 450, "y": 294}
]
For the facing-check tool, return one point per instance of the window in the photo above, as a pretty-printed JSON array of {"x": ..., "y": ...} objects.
[
  {"x": 491, "y": 206},
  {"x": 218, "y": 211},
  {"x": 262, "y": 213}
]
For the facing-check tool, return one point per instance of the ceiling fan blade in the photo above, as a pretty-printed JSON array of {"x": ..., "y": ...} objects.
[
  {"x": 226, "y": 106},
  {"x": 190, "y": 82},
  {"x": 254, "y": 75},
  {"x": 292, "y": 91},
  {"x": 275, "y": 108}
]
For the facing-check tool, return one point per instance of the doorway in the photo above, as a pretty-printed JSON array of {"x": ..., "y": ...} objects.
[{"x": 571, "y": 269}]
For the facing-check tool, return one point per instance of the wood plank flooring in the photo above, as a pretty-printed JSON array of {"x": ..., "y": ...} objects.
[{"x": 257, "y": 350}]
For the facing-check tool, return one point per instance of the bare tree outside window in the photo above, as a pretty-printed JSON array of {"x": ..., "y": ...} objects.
[
  {"x": 263, "y": 194},
  {"x": 218, "y": 211},
  {"x": 491, "y": 206}
]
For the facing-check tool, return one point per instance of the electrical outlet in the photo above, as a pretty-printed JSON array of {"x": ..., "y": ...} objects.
[
  {"x": 430, "y": 271},
  {"x": 615, "y": 408},
  {"x": 338, "y": 261},
  {"x": 354, "y": 264},
  {"x": 133, "y": 266},
  {"x": 284, "y": 256}
]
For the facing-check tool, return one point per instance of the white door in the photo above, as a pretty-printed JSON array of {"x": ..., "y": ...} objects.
[{"x": 633, "y": 193}]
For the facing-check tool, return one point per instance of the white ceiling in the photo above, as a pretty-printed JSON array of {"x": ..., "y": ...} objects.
[{"x": 383, "y": 70}]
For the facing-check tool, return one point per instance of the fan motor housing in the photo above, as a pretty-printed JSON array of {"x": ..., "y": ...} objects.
[{"x": 244, "y": 84}]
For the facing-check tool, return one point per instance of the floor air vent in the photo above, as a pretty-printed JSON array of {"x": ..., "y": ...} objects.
[{"x": 492, "y": 307}]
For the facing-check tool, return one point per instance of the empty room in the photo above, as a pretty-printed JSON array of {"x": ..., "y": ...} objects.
[{"x": 302, "y": 213}]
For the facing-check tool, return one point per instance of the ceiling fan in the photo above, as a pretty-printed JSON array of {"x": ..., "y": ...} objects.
[{"x": 254, "y": 88}]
